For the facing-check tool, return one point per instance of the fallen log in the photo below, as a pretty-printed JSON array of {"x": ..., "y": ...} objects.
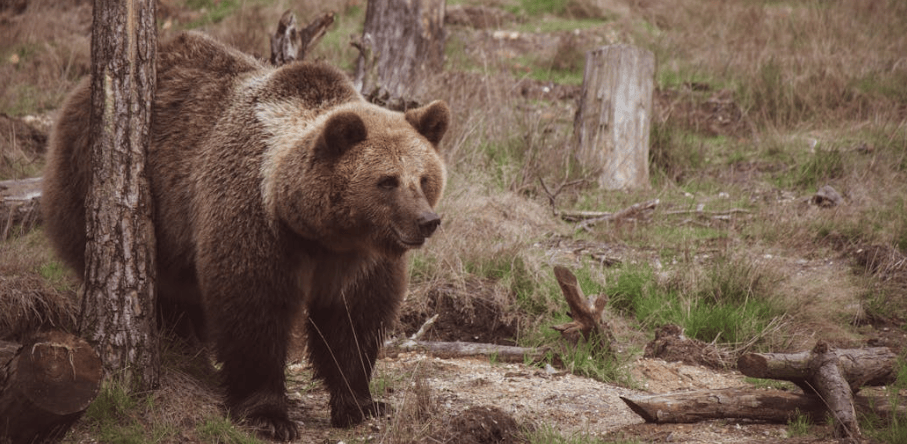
[
  {"x": 861, "y": 367},
  {"x": 45, "y": 386},
  {"x": 740, "y": 403},
  {"x": 450, "y": 350},
  {"x": 774, "y": 406},
  {"x": 833, "y": 375}
]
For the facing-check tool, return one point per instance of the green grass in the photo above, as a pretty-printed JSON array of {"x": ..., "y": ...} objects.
[
  {"x": 213, "y": 11},
  {"x": 114, "y": 417},
  {"x": 894, "y": 430},
  {"x": 732, "y": 303},
  {"x": 56, "y": 274},
  {"x": 221, "y": 430},
  {"x": 799, "y": 426}
]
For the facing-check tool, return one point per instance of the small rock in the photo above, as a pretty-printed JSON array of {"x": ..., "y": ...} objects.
[{"x": 827, "y": 197}]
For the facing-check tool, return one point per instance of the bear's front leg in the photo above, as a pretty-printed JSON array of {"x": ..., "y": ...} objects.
[
  {"x": 251, "y": 324},
  {"x": 345, "y": 329}
]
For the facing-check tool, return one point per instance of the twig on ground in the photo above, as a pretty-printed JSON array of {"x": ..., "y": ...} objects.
[{"x": 641, "y": 210}]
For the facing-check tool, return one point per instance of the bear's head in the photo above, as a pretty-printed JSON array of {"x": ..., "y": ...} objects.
[{"x": 367, "y": 178}]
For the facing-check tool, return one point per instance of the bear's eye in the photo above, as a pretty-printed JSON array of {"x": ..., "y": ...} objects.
[{"x": 388, "y": 182}]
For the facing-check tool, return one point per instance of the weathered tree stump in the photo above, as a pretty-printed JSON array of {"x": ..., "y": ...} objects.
[
  {"x": 45, "y": 386},
  {"x": 611, "y": 128},
  {"x": 289, "y": 44},
  {"x": 587, "y": 321},
  {"x": 402, "y": 43}
]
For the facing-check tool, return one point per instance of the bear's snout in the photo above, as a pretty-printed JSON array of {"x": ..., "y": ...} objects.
[{"x": 428, "y": 222}]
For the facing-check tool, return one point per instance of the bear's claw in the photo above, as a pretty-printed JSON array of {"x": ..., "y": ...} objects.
[
  {"x": 277, "y": 428},
  {"x": 351, "y": 415}
]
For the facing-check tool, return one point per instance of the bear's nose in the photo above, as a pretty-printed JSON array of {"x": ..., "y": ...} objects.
[{"x": 428, "y": 222}]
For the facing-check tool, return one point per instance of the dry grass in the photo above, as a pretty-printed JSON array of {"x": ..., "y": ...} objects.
[
  {"x": 35, "y": 290},
  {"x": 789, "y": 62}
]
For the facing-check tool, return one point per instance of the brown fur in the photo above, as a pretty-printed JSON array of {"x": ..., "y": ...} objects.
[{"x": 274, "y": 191}]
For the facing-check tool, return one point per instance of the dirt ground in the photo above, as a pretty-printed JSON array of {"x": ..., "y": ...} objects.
[{"x": 536, "y": 397}]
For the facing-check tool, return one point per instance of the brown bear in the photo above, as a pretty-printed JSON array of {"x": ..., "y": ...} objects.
[{"x": 275, "y": 191}]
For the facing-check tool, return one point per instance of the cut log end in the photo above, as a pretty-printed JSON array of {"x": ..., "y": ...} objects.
[{"x": 46, "y": 386}]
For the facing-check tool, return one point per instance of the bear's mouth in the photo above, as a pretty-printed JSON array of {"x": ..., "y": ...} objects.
[{"x": 409, "y": 242}]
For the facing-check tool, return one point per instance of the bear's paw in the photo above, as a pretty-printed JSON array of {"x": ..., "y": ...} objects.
[{"x": 352, "y": 414}]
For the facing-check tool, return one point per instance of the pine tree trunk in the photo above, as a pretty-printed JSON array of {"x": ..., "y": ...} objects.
[
  {"x": 611, "y": 128},
  {"x": 118, "y": 298},
  {"x": 402, "y": 43}
]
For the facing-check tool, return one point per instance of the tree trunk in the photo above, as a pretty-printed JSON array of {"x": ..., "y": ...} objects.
[
  {"x": 118, "y": 299},
  {"x": 45, "y": 386},
  {"x": 402, "y": 43},
  {"x": 611, "y": 128}
]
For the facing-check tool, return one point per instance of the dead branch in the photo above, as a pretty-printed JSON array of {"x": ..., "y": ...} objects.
[
  {"x": 587, "y": 323},
  {"x": 640, "y": 210},
  {"x": 451, "y": 350},
  {"x": 699, "y": 210},
  {"x": 552, "y": 195}
]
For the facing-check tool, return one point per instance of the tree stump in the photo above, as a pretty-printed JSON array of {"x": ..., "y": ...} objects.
[
  {"x": 611, "y": 128},
  {"x": 289, "y": 44},
  {"x": 587, "y": 321},
  {"x": 402, "y": 43},
  {"x": 45, "y": 386}
]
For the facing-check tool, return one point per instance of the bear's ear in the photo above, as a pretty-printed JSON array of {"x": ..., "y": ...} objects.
[
  {"x": 341, "y": 131},
  {"x": 430, "y": 120}
]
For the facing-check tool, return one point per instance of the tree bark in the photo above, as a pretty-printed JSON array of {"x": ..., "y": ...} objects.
[
  {"x": 402, "y": 43},
  {"x": 117, "y": 314},
  {"x": 611, "y": 128},
  {"x": 45, "y": 386}
]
